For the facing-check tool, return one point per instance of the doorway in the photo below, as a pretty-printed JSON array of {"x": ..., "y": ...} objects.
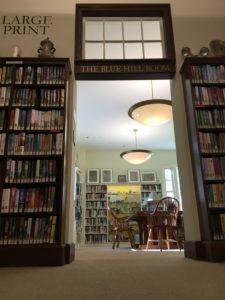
[{"x": 104, "y": 130}]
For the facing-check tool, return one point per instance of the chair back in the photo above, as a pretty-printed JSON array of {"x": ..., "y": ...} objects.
[
  {"x": 165, "y": 213},
  {"x": 117, "y": 222},
  {"x": 112, "y": 216},
  {"x": 152, "y": 205}
]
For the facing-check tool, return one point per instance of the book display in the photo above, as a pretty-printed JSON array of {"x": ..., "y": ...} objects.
[
  {"x": 204, "y": 90},
  {"x": 33, "y": 117},
  {"x": 96, "y": 221},
  {"x": 125, "y": 200}
]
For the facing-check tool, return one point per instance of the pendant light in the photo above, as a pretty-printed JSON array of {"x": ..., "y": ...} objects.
[
  {"x": 153, "y": 112},
  {"x": 137, "y": 156}
]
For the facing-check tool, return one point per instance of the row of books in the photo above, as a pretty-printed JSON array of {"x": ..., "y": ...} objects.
[
  {"x": 2, "y": 118},
  {"x": 2, "y": 143},
  {"x": 34, "y": 144},
  {"x": 96, "y": 222},
  {"x": 36, "y": 119},
  {"x": 96, "y": 204},
  {"x": 21, "y": 200},
  {"x": 212, "y": 118},
  {"x": 52, "y": 97},
  {"x": 216, "y": 195},
  {"x": 96, "y": 238},
  {"x": 26, "y": 171},
  {"x": 25, "y": 75},
  {"x": 23, "y": 230},
  {"x": 4, "y": 95},
  {"x": 151, "y": 187},
  {"x": 5, "y": 74},
  {"x": 209, "y": 95},
  {"x": 96, "y": 229},
  {"x": 213, "y": 168},
  {"x": 218, "y": 225},
  {"x": 96, "y": 196},
  {"x": 96, "y": 189},
  {"x": 50, "y": 75},
  {"x": 27, "y": 97},
  {"x": 208, "y": 73},
  {"x": 96, "y": 213},
  {"x": 212, "y": 142},
  {"x": 24, "y": 97}
]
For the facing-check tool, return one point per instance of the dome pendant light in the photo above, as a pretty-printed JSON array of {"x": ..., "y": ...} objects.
[
  {"x": 137, "y": 156},
  {"x": 152, "y": 112}
]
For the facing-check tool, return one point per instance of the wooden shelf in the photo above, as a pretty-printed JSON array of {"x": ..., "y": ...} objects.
[
  {"x": 205, "y": 125},
  {"x": 32, "y": 197}
]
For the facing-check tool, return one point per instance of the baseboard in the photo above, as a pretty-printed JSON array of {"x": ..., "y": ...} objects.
[
  {"x": 36, "y": 255},
  {"x": 213, "y": 251}
]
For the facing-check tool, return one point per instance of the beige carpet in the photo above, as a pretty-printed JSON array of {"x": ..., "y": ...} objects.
[{"x": 103, "y": 273}]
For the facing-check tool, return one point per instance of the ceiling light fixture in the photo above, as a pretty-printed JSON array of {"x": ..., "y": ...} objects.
[
  {"x": 137, "y": 156},
  {"x": 153, "y": 112}
]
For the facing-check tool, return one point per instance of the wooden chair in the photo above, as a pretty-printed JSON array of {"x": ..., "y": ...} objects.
[
  {"x": 152, "y": 205},
  {"x": 119, "y": 226},
  {"x": 163, "y": 223}
]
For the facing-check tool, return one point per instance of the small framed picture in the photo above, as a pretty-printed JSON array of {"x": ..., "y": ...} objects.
[
  {"x": 122, "y": 178},
  {"x": 148, "y": 177},
  {"x": 106, "y": 175},
  {"x": 93, "y": 175},
  {"x": 133, "y": 176}
]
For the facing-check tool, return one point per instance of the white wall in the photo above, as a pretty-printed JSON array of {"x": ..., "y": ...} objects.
[{"x": 160, "y": 160}]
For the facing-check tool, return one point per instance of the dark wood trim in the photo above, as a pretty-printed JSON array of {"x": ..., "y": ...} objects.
[
  {"x": 118, "y": 69},
  {"x": 213, "y": 251},
  {"x": 194, "y": 250},
  {"x": 36, "y": 255},
  {"x": 125, "y": 10}
]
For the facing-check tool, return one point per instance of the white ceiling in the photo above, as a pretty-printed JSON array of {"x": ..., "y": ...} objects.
[{"x": 103, "y": 121}]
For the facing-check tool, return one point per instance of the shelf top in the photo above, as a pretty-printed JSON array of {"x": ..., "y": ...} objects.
[
  {"x": 201, "y": 61},
  {"x": 36, "y": 61}
]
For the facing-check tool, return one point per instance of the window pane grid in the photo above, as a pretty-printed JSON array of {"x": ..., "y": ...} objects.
[{"x": 138, "y": 46}]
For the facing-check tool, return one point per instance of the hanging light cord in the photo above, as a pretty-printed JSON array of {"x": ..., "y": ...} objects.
[{"x": 135, "y": 133}]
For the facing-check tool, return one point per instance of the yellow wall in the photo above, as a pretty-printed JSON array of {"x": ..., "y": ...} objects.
[{"x": 195, "y": 24}]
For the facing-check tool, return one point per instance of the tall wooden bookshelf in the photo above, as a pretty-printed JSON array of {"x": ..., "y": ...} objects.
[
  {"x": 204, "y": 91},
  {"x": 96, "y": 217},
  {"x": 33, "y": 137}
]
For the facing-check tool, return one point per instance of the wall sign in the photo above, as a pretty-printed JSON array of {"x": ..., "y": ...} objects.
[{"x": 26, "y": 25}]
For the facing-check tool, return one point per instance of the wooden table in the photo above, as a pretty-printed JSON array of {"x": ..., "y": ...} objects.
[{"x": 141, "y": 218}]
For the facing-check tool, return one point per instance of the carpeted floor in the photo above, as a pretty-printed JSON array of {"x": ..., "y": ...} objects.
[{"x": 103, "y": 273}]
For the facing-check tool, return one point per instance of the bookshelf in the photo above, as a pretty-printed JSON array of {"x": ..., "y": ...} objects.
[
  {"x": 78, "y": 205},
  {"x": 204, "y": 91},
  {"x": 33, "y": 137},
  {"x": 96, "y": 219},
  {"x": 150, "y": 191}
]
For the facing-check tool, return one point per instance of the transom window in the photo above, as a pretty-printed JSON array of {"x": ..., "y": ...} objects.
[
  {"x": 124, "y": 41},
  {"x": 123, "y": 38}
]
